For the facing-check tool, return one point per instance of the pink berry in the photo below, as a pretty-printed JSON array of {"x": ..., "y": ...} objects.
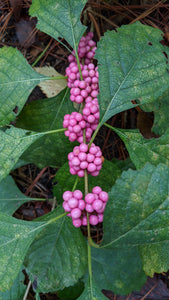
[
  {"x": 94, "y": 93},
  {"x": 77, "y": 128},
  {"x": 76, "y": 150},
  {"x": 84, "y": 165},
  {"x": 81, "y": 204},
  {"x": 71, "y": 58},
  {"x": 75, "y": 213},
  {"x": 91, "y": 167},
  {"x": 95, "y": 173},
  {"x": 91, "y": 66},
  {"x": 82, "y": 84},
  {"x": 84, "y": 221},
  {"x": 66, "y": 206},
  {"x": 97, "y": 190},
  {"x": 70, "y": 155},
  {"x": 97, "y": 205},
  {"x": 89, "y": 208},
  {"x": 81, "y": 173},
  {"x": 82, "y": 156},
  {"x": 89, "y": 198},
  {"x": 79, "y": 99},
  {"x": 72, "y": 171},
  {"x": 102, "y": 209},
  {"x": 103, "y": 196},
  {"x": 100, "y": 218},
  {"x": 98, "y": 167},
  {"x": 67, "y": 195},
  {"x": 93, "y": 220},
  {"x": 77, "y": 194},
  {"x": 77, "y": 222},
  {"x": 83, "y": 147},
  {"x": 98, "y": 161},
  {"x": 90, "y": 157},
  {"x": 76, "y": 91},
  {"x": 73, "y": 202}
]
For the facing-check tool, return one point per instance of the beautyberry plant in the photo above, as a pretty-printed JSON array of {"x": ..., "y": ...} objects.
[{"x": 125, "y": 69}]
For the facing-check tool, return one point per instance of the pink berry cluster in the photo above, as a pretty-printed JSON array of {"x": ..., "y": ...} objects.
[
  {"x": 86, "y": 49},
  {"x": 75, "y": 123},
  {"x": 94, "y": 204},
  {"x": 83, "y": 91},
  {"x": 82, "y": 159}
]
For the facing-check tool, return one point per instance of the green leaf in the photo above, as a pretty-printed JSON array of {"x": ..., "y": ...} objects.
[
  {"x": 14, "y": 142},
  {"x": 155, "y": 258},
  {"x": 61, "y": 19},
  {"x": 65, "y": 181},
  {"x": 17, "y": 290},
  {"x": 15, "y": 239},
  {"x": 138, "y": 208},
  {"x": 11, "y": 197},
  {"x": 44, "y": 115},
  {"x": 119, "y": 270},
  {"x": 161, "y": 116},
  {"x": 131, "y": 65},
  {"x": 58, "y": 256},
  {"x": 143, "y": 150},
  {"x": 17, "y": 80},
  {"x": 92, "y": 292},
  {"x": 123, "y": 165},
  {"x": 137, "y": 215}
]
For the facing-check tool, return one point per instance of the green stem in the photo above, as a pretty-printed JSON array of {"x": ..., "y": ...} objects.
[
  {"x": 40, "y": 56},
  {"x": 43, "y": 133},
  {"x": 107, "y": 125},
  {"x": 93, "y": 244},
  {"x": 75, "y": 184},
  {"x": 94, "y": 134},
  {"x": 78, "y": 63},
  {"x": 57, "y": 218},
  {"x": 86, "y": 191},
  {"x": 86, "y": 182},
  {"x": 84, "y": 136},
  {"x": 89, "y": 252},
  {"x": 55, "y": 131},
  {"x": 88, "y": 235}
]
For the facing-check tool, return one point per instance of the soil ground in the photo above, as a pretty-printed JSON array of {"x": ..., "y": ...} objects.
[{"x": 17, "y": 29}]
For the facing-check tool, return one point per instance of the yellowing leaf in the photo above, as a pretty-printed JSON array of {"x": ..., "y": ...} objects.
[{"x": 51, "y": 87}]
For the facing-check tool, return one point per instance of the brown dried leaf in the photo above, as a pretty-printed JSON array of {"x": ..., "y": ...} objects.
[{"x": 51, "y": 87}]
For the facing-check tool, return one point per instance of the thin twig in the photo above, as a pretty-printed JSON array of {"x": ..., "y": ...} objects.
[
  {"x": 34, "y": 182},
  {"x": 27, "y": 290},
  {"x": 148, "y": 11},
  {"x": 95, "y": 25},
  {"x": 144, "y": 297},
  {"x": 102, "y": 17}
]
